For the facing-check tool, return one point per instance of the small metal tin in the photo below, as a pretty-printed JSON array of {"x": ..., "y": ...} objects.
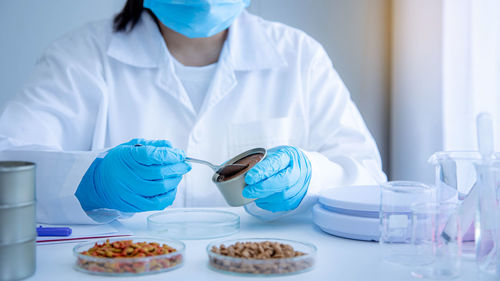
[
  {"x": 17, "y": 223},
  {"x": 17, "y": 261},
  {"x": 232, "y": 189},
  {"x": 17, "y": 182}
]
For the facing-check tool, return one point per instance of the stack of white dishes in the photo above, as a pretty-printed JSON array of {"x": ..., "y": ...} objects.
[{"x": 349, "y": 212}]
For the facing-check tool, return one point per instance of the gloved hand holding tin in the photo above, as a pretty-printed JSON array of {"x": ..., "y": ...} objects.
[
  {"x": 280, "y": 181},
  {"x": 277, "y": 180}
]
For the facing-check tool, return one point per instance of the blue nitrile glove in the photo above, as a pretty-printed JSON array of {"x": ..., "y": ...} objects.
[
  {"x": 135, "y": 176},
  {"x": 280, "y": 181}
]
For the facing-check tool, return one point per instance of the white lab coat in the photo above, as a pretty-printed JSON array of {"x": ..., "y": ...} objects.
[{"x": 94, "y": 89}]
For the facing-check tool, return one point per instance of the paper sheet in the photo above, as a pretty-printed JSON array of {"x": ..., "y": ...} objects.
[{"x": 81, "y": 233}]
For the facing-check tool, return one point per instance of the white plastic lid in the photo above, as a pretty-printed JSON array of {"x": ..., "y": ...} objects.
[
  {"x": 363, "y": 198},
  {"x": 347, "y": 226}
]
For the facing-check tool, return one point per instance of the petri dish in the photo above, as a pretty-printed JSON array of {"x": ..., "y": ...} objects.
[
  {"x": 191, "y": 224},
  {"x": 262, "y": 267},
  {"x": 129, "y": 266}
]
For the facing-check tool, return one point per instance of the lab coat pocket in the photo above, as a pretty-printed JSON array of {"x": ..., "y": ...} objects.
[{"x": 266, "y": 133}]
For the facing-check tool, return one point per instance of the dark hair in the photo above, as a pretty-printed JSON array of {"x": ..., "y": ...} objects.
[{"x": 130, "y": 15}]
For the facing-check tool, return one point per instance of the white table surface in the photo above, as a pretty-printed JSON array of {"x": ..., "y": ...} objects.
[{"x": 337, "y": 258}]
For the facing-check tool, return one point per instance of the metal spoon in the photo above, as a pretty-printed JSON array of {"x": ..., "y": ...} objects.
[{"x": 221, "y": 169}]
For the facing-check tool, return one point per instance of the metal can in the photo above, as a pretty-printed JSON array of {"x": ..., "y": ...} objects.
[
  {"x": 17, "y": 220},
  {"x": 17, "y": 223},
  {"x": 17, "y": 182},
  {"x": 232, "y": 189},
  {"x": 17, "y": 261}
]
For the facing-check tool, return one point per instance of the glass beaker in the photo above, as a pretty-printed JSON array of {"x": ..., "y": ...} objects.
[
  {"x": 437, "y": 255},
  {"x": 396, "y": 199},
  {"x": 455, "y": 178},
  {"x": 455, "y": 173}
]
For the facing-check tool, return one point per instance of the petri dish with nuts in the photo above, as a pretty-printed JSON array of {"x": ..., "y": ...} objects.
[
  {"x": 261, "y": 256},
  {"x": 132, "y": 256}
]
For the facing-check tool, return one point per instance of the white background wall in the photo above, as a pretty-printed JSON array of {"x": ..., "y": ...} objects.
[
  {"x": 28, "y": 27},
  {"x": 354, "y": 33},
  {"x": 416, "y": 123}
]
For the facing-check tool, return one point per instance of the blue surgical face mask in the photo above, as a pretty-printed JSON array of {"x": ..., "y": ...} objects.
[{"x": 197, "y": 18}]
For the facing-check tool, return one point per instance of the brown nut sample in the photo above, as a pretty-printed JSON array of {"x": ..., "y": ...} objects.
[
  {"x": 258, "y": 250},
  {"x": 266, "y": 257}
]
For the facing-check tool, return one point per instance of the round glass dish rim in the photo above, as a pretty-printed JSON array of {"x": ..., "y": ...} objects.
[
  {"x": 102, "y": 259},
  {"x": 433, "y": 208},
  {"x": 461, "y": 155},
  {"x": 258, "y": 261},
  {"x": 412, "y": 186},
  {"x": 235, "y": 217}
]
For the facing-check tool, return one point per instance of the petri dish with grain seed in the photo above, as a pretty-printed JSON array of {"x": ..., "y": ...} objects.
[
  {"x": 261, "y": 256},
  {"x": 131, "y": 256}
]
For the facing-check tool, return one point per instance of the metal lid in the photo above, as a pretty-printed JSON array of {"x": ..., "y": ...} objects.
[{"x": 9, "y": 166}]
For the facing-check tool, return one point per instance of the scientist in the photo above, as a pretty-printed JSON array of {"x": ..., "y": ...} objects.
[{"x": 184, "y": 78}]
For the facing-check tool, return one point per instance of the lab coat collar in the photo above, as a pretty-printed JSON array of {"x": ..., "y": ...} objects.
[
  {"x": 141, "y": 47},
  {"x": 248, "y": 45}
]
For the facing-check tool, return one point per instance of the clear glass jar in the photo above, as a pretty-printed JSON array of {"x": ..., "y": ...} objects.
[{"x": 396, "y": 199}]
